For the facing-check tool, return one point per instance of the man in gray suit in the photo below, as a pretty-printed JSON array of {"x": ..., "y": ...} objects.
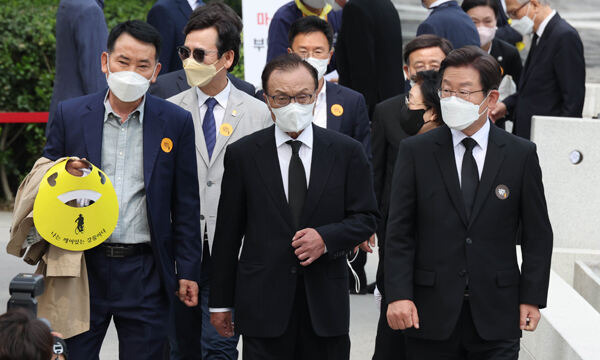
[
  {"x": 222, "y": 114},
  {"x": 81, "y": 36}
]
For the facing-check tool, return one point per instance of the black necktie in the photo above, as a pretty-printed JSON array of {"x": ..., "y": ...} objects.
[
  {"x": 469, "y": 175},
  {"x": 296, "y": 183},
  {"x": 532, "y": 49}
]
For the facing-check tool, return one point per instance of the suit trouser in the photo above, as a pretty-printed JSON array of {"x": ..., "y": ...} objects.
[
  {"x": 128, "y": 290},
  {"x": 194, "y": 336},
  {"x": 464, "y": 343},
  {"x": 299, "y": 341},
  {"x": 389, "y": 344}
]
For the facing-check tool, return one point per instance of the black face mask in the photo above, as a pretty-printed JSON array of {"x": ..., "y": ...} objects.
[{"x": 411, "y": 120}]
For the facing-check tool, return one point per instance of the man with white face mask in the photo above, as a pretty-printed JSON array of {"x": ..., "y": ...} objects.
[
  {"x": 146, "y": 147},
  {"x": 460, "y": 194},
  {"x": 553, "y": 78},
  {"x": 300, "y": 197},
  {"x": 222, "y": 115}
]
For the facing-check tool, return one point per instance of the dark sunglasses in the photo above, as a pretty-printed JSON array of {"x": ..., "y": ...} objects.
[{"x": 184, "y": 52}]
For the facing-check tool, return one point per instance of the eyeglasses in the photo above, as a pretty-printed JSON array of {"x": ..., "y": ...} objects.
[
  {"x": 463, "y": 94},
  {"x": 513, "y": 13},
  {"x": 283, "y": 100},
  {"x": 184, "y": 52}
]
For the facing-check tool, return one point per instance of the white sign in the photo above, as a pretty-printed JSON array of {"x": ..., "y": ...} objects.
[{"x": 257, "y": 16}]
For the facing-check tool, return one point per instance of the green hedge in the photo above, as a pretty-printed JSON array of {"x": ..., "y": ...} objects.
[{"x": 27, "y": 54}]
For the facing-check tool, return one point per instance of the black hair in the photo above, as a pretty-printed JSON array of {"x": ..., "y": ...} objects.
[
  {"x": 426, "y": 41},
  {"x": 287, "y": 62},
  {"x": 24, "y": 337},
  {"x": 227, "y": 23},
  {"x": 469, "y": 4},
  {"x": 429, "y": 83},
  {"x": 490, "y": 72},
  {"x": 310, "y": 24},
  {"x": 140, "y": 30}
]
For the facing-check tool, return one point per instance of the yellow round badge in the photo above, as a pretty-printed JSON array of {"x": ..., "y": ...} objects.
[
  {"x": 225, "y": 129},
  {"x": 337, "y": 109},
  {"x": 57, "y": 214},
  {"x": 166, "y": 145}
]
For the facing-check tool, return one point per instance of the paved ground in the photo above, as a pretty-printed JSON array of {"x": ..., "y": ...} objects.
[
  {"x": 363, "y": 323},
  {"x": 584, "y": 15}
]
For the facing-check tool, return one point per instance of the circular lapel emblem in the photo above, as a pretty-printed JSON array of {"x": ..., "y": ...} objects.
[
  {"x": 337, "y": 109},
  {"x": 502, "y": 192},
  {"x": 166, "y": 145},
  {"x": 225, "y": 129}
]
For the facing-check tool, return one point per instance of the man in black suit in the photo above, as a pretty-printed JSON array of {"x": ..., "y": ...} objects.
[
  {"x": 368, "y": 49},
  {"x": 169, "y": 18},
  {"x": 460, "y": 192},
  {"x": 300, "y": 197},
  {"x": 553, "y": 79}
]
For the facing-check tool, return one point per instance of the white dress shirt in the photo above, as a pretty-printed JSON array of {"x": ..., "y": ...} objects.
[
  {"x": 284, "y": 153},
  {"x": 542, "y": 27},
  {"x": 321, "y": 107},
  {"x": 193, "y": 4},
  {"x": 219, "y": 109},
  {"x": 479, "y": 151},
  {"x": 437, "y": 3}
]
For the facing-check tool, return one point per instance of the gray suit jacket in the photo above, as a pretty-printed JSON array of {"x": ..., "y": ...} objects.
[
  {"x": 246, "y": 115},
  {"x": 81, "y": 36}
]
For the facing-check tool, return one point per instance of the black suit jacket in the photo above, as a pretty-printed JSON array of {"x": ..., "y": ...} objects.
[
  {"x": 369, "y": 49},
  {"x": 386, "y": 135},
  {"x": 169, "y": 17},
  {"x": 173, "y": 83},
  {"x": 553, "y": 79},
  {"x": 433, "y": 251},
  {"x": 340, "y": 205},
  {"x": 508, "y": 57}
]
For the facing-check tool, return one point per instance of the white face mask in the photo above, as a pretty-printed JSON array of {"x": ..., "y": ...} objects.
[
  {"x": 486, "y": 34},
  {"x": 319, "y": 64},
  {"x": 127, "y": 86},
  {"x": 524, "y": 25},
  {"x": 293, "y": 117},
  {"x": 315, "y": 4},
  {"x": 458, "y": 113}
]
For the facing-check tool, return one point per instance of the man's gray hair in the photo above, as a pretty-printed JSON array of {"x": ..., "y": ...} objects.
[{"x": 543, "y": 2}]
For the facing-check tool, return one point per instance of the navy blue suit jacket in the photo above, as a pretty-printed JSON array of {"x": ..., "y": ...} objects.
[
  {"x": 451, "y": 22},
  {"x": 171, "y": 179},
  {"x": 354, "y": 120},
  {"x": 553, "y": 79},
  {"x": 173, "y": 83},
  {"x": 81, "y": 36},
  {"x": 169, "y": 17}
]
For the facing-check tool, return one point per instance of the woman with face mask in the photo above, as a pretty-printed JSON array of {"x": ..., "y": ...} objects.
[
  {"x": 484, "y": 14},
  {"x": 422, "y": 112}
]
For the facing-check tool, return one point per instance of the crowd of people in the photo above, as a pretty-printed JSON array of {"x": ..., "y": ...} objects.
[{"x": 246, "y": 211}]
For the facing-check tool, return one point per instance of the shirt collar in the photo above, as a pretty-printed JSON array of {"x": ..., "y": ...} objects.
[
  {"x": 109, "y": 110},
  {"x": 321, "y": 95},
  {"x": 542, "y": 27},
  {"x": 438, "y": 3},
  {"x": 306, "y": 136},
  {"x": 221, "y": 97},
  {"x": 481, "y": 136}
]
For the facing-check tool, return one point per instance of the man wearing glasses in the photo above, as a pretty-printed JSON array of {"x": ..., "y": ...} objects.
[
  {"x": 553, "y": 79},
  {"x": 460, "y": 194},
  {"x": 300, "y": 197},
  {"x": 222, "y": 114}
]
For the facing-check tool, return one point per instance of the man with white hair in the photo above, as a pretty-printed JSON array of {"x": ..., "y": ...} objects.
[{"x": 553, "y": 80}]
